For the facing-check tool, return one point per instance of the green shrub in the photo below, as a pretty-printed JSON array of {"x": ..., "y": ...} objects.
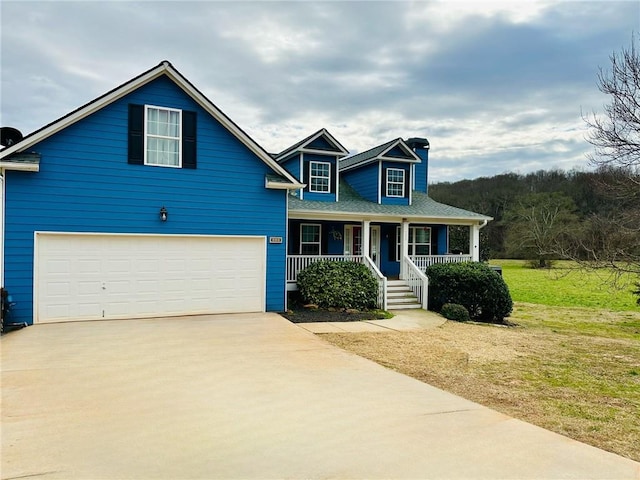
[
  {"x": 338, "y": 285},
  {"x": 474, "y": 285},
  {"x": 454, "y": 311}
]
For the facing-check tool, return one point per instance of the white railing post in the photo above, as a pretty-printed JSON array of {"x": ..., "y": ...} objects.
[
  {"x": 382, "y": 282},
  {"x": 297, "y": 263},
  {"x": 424, "y": 261},
  {"x": 417, "y": 281}
]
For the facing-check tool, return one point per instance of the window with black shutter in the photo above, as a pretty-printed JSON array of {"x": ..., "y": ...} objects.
[{"x": 162, "y": 136}]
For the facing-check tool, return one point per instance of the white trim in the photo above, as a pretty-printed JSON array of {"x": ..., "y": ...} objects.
[
  {"x": 388, "y": 182},
  {"x": 282, "y": 185},
  {"x": 312, "y": 176},
  {"x": 164, "y": 68},
  {"x": 380, "y": 217},
  {"x": 381, "y": 156},
  {"x": 337, "y": 174},
  {"x": 39, "y": 233},
  {"x": 20, "y": 166},
  {"x": 286, "y": 253},
  {"x": 413, "y": 180},
  {"x": 405, "y": 148},
  {"x": 380, "y": 169},
  {"x": 302, "y": 175},
  {"x": 413, "y": 228},
  {"x": 341, "y": 151}
]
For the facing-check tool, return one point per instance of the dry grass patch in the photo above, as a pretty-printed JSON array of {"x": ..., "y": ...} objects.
[{"x": 573, "y": 371}]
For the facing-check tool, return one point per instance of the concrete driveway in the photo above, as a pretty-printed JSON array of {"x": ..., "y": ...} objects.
[{"x": 249, "y": 396}]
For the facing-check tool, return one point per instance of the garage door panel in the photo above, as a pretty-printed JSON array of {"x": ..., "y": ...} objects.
[{"x": 84, "y": 277}]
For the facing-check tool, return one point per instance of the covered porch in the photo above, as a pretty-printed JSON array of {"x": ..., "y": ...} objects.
[{"x": 396, "y": 250}]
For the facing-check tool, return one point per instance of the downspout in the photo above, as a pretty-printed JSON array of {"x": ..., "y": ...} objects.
[{"x": 2, "y": 197}]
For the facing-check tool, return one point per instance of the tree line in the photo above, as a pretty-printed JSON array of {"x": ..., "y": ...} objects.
[
  {"x": 590, "y": 217},
  {"x": 531, "y": 212}
]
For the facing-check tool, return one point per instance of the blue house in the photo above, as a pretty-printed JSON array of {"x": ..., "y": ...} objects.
[
  {"x": 374, "y": 208},
  {"x": 149, "y": 201}
]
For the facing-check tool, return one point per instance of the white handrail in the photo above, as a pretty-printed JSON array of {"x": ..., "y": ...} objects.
[
  {"x": 297, "y": 263},
  {"x": 417, "y": 281},
  {"x": 424, "y": 261},
  {"x": 382, "y": 282}
]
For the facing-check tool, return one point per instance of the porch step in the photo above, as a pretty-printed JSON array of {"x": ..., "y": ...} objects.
[{"x": 400, "y": 296}]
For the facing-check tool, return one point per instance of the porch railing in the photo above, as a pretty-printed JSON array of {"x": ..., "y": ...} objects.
[
  {"x": 296, "y": 263},
  {"x": 424, "y": 261},
  {"x": 382, "y": 282},
  {"x": 417, "y": 281}
]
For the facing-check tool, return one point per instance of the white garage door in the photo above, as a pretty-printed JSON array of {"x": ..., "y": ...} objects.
[{"x": 92, "y": 277}]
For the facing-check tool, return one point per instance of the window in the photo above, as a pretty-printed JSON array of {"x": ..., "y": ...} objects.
[
  {"x": 419, "y": 241},
  {"x": 319, "y": 175},
  {"x": 162, "y": 136},
  {"x": 395, "y": 182},
  {"x": 309, "y": 239}
]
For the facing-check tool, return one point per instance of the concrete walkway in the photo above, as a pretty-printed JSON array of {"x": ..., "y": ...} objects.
[
  {"x": 250, "y": 397},
  {"x": 403, "y": 320}
]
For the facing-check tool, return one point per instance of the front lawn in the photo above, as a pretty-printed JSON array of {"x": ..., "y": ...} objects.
[
  {"x": 566, "y": 285},
  {"x": 574, "y": 371}
]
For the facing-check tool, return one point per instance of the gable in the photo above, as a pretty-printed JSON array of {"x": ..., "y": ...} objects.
[
  {"x": 399, "y": 152},
  {"x": 321, "y": 143},
  {"x": 164, "y": 69}
]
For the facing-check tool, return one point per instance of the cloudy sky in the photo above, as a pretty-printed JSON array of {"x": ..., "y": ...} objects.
[{"x": 494, "y": 86}]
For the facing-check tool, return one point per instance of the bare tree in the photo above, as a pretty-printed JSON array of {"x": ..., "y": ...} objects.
[
  {"x": 614, "y": 241},
  {"x": 538, "y": 227}
]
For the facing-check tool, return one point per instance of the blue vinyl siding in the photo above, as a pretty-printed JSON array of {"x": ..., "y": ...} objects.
[
  {"x": 407, "y": 172},
  {"x": 365, "y": 181},
  {"x": 293, "y": 166},
  {"x": 86, "y": 185},
  {"x": 422, "y": 170}
]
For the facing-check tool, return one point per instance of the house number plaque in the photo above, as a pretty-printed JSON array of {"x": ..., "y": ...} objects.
[{"x": 275, "y": 239}]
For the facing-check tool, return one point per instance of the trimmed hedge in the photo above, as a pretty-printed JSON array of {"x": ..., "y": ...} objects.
[
  {"x": 339, "y": 285},
  {"x": 453, "y": 311},
  {"x": 474, "y": 285}
]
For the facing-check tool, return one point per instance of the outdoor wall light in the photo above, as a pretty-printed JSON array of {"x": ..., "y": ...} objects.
[{"x": 163, "y": 214}]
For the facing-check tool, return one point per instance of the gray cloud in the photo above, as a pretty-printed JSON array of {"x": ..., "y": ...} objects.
[{"x": 495, "y": 89}]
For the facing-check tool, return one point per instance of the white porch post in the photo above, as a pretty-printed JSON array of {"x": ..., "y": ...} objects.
[
  {"x": 404, "y": 245},
  {"x": 366, "y": 237},
  {"x": 474, "y": 243}
]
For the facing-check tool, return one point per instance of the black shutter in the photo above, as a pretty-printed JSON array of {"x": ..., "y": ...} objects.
[
  {"x": 189, "y": 157},
  {"x": 383, "y": 185},
  {"x": 306, "y": 175},
  {"x": 294, "y": 238},
  {"x": 136, "y": 134},
  {"x": 392, "y": 244},
  {"x": 434, "y": 240},
  {"x": 407, "y": 182},
  {"x": 324, "y": 240},
  {"x": 332, "y": 177}
]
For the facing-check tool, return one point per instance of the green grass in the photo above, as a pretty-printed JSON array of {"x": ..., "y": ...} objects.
[{"x": 567, "y": 286}]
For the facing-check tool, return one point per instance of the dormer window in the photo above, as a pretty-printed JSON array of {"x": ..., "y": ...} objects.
[
  {"x": 395, "y": 182},
  {"x": 319, "y": 177}
]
